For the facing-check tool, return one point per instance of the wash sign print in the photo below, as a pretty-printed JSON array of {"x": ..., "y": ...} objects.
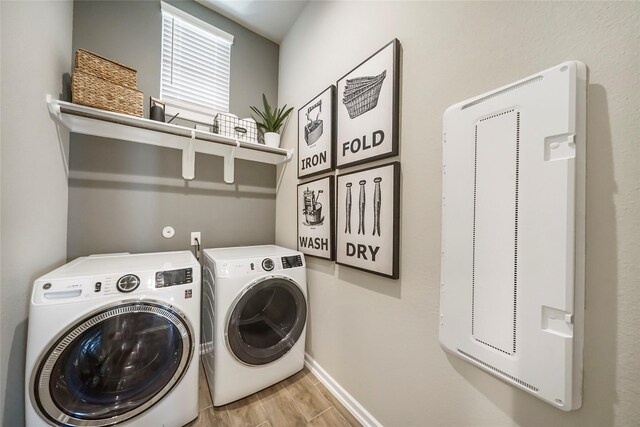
[{"x": 315, "y": 217}]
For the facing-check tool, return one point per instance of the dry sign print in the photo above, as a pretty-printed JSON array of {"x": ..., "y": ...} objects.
[{"x": 367, "y": 230}]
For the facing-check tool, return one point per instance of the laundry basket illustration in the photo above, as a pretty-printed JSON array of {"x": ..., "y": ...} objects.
[
  {"x": 361, "y": 94},
  {"x": 313, "y": 129}
]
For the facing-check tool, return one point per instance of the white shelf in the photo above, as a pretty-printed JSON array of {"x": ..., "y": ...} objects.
[{"x": 92, "y": 121}]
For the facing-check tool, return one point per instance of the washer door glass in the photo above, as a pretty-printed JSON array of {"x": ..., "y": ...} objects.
[
  {"x": 114, "y": 365},
  {"x": 266, "y": 321}
]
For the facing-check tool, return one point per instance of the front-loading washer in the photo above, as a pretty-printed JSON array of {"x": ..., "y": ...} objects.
[
  {"x": 114, "y": 339},
  {"x": 254, "y": 318}
]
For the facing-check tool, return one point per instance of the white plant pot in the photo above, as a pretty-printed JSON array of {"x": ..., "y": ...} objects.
[{"x": 272, "y": 139}]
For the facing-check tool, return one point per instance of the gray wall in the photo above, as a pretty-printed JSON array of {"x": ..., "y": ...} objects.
[
  {"x": 36, "y": 51},
  {"x": 378, "y": 337},
  {"x": 121, "y": 194}
]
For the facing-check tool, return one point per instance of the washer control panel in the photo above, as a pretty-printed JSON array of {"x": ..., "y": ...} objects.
[
  {"x": 124, "y": 284},
  {"x": 291, "y": 261},
  {"x": 174, "y": 277}
]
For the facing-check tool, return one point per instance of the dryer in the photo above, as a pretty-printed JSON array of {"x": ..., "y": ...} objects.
[
  {"x": 254, "y": 318},
  {"x": 114, "y": 339}
]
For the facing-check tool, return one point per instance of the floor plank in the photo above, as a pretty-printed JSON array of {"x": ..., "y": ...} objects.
[
  {"x": 204, "y": 397},
  {"x": 308, "y": 399},
  {"x": 210, "y": 417},
  {"x": 314, "y": 380},
  {"x": 279, "y": 406},
  {"x": 298, "y": 376},
  {"x": 290, "y": 403},
  {"x": 336, "y": 404},
  {"x": 330, "y": 418},
  {"x": 247, "y": 412}
]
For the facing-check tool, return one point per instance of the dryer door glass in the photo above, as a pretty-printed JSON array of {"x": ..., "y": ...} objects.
[
  {"x": 266, "y": 321},
  {"x": 114, "y": 365}
]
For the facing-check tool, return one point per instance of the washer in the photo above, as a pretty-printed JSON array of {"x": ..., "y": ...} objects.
[
  {"x": 254, "y": 318},
  {"x": 114, "y": 339}
]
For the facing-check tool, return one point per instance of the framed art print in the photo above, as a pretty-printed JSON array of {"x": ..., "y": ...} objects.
[
  {"x": 316, "y": 218},
  {"x": 316, "y": 134},
  {"x": 367, "y": 109},
  {"x": 368, "y": 220}
]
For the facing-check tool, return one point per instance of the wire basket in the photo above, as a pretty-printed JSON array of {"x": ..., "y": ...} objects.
[
  {"x": 240, "y": 129},
  {"x": 361, "y": 94}
]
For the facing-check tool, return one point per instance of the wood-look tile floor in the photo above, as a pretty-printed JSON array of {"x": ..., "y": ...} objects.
[{"x": 301, "y": 400}]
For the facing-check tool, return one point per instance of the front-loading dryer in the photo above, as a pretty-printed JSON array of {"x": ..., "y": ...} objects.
[
  {"x": 114, "y": 339},
  {"x": 254, "y": 318}
]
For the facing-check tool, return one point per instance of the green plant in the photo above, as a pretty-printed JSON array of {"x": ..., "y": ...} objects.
[{"x": 272, "y": 119}]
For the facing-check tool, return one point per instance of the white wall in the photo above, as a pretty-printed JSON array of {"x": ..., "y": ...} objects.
[
  {"x": 36, "y": 51},
  {"x": 379, "y": 338}
]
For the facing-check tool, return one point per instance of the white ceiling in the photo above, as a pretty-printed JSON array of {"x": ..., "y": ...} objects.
[{"x": 269, "y": 18}]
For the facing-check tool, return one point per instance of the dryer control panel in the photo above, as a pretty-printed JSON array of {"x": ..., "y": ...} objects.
[{"x": 257, "y": 265}]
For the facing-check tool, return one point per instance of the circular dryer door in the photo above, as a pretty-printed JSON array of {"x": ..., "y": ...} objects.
[
  {"x": 113, "y": 365},
  {"x": 266, "y": 320}
]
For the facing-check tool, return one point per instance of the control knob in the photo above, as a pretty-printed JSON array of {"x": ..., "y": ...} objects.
[
  {"x": 128, "y": 283},
  {"x": 267, "y": 264}
]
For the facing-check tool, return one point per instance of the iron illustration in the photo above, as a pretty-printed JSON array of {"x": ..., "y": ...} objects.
[{"x": 313, "y": 129}]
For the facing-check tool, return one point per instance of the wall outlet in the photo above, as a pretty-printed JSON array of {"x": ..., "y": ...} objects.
[{"x": 195, "y": 235}]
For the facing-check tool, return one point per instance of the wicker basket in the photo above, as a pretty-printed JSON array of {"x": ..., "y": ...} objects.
[
  {"x": 87, "y": 89},
  {"x": 91, "y": 63},
  {"x": 361, "y": 94}
]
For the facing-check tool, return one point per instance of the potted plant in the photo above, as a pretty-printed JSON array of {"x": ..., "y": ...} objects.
[{"x": 272, "y": 121}]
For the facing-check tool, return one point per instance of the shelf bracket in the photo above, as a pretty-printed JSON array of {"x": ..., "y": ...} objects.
[
  {"x": 56, "y": 115},
  {"x": 54, "y": 108},
  {"x": 229, "y": 163},
  {"x": 189, "y": 158},
  {"x": 289, "y": 155}
]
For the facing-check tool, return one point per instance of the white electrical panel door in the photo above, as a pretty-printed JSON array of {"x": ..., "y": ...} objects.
[{"x": 512, "y": 291}]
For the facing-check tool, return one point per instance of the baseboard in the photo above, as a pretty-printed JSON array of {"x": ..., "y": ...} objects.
[{"x": 348, "y": 401}]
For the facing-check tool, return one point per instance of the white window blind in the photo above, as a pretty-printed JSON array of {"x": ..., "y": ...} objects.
[{"x": 196, "y": 62}]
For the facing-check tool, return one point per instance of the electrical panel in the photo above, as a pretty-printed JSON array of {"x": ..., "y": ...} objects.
[{"x": 512, "y": 288}]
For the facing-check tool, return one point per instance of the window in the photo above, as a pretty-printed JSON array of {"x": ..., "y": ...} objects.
[{"x": 196, "y": 64}]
